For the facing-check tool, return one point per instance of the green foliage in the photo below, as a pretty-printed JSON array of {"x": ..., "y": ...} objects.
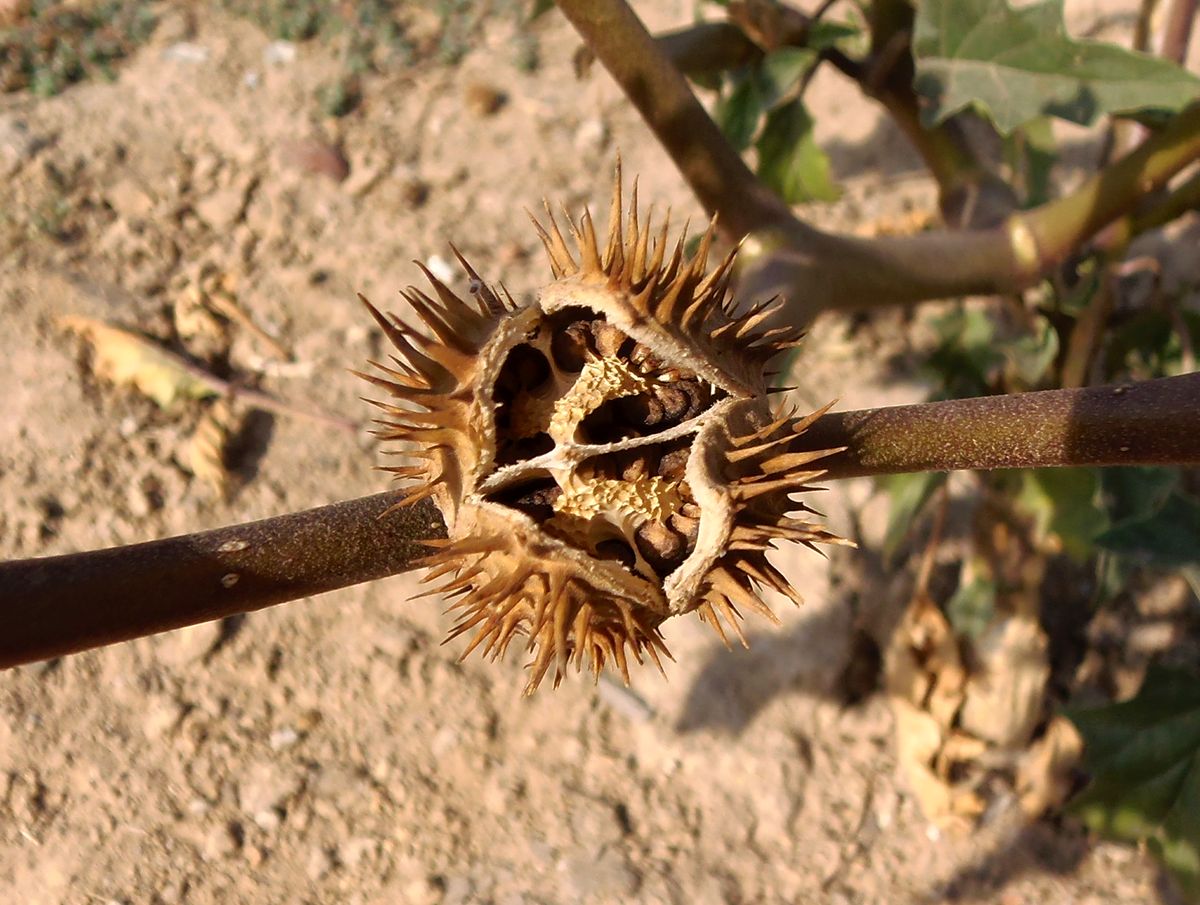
[
  {"x": 789, "y": 160},
  {"x": 761, "y": 106},
  {"x": 971, "y": 607},
  {"x": 58, "y": 44},
  {"x": 967, "y": 359},
  {"x": 1017, "y": 64},
  {"x": 1151, "y": 343},
  {"x": 1144, "y": 759},
  {"x": 1030, "y": 357},
  {"x": 1063, "y": 503},
  {"x": 372, "y": 35},
  {"x": 909, "y": 495},
  {"x": 1168, "y": 536},
  {"x": 369, "y": 33}
]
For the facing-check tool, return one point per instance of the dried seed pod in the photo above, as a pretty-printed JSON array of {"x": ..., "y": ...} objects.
[{"x": 605, "y": 457}]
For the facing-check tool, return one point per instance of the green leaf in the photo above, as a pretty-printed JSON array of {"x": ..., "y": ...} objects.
[
  {"x": 1169, "y": 537},
  {"x": 737, "y": 113},
  {"x": 909, "y": 493},
  {"x": 781, "y": 71},
  {"x": 1135, "y": 491},
  {"x": 824, "y": 34},
  {"x": 1030, "y": 356},
  {"x": 1144, "y": 759},
  {"x": 1015, "y": 64},
  {"x": 538, "y": 8},
  {"x": 789, "y": 160},
  {"x": 967, "y": 358},
  {"x": 1149, "y": 344},
  {"x": 971, "y": 607},
  {"x": 1062, "y": 503}
]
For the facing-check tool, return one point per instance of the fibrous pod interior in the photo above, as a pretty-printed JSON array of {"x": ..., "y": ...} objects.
[{"x": 605, "y": 457}]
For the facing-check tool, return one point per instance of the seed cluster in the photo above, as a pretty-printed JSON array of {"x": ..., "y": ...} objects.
[{"x": 605, "y": 457}]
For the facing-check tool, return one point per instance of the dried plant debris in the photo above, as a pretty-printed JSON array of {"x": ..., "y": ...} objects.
[
  {"x": 605, "y": 457},
  {"x": 966, "y": 712},
  {"x": 128, "y": 359},
  {"x": 198, "y": 327},
  {"x": 206, "y": 452}
]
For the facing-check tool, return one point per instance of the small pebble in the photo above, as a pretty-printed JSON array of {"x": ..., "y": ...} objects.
[
  {"x": 279, "y": 53},
  {"x": 283, "y": 738},
  {"x": 483, "y": 99},
  {"x": 186, "y": 52}
]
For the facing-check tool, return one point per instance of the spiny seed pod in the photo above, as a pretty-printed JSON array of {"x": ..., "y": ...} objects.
[{"x": 605, "y": 457}]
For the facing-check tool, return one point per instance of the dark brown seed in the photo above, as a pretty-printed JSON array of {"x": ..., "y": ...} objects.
[
  {"x": 570, "y": 347},
  {"x": 687, "y": 527},
  {"x": 674, "y": 400},
  {"x": 639, "y": 411},
  {"x": 671, "y": 466},
  {"x": 661, "y": 547}
]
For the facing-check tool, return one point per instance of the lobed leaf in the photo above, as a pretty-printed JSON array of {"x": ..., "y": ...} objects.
[
  {"x": 1016, "y": 64},
  {"x": 1144, "y": 759}
]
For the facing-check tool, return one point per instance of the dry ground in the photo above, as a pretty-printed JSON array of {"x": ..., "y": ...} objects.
[{"x": 330, "y": 750}]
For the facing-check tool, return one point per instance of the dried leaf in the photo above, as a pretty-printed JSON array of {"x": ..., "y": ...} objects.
[
  {"x": 127, "y": 359},
  {"x": 204, "y": 453},
  {"x": 925, "y": 679},
  {"x": 1047, "y": 772},
  {"x": 204, "y": 334},
  {"x": 1004, "y": 696}
]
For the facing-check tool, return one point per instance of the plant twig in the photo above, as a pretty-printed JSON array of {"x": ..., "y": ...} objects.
[
  {"x": 714, "y": 170},
  {"x": 259, "y": 398},
  {"x": 1154, "y": 422},
  {"x": 817, "y": 270},
  {"x": 1177, "y": 30},
  {"x": 61, "y": 604}
]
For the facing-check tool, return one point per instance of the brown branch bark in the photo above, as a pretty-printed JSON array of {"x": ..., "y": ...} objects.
[
  {"x": 61, "y": 604},
  {"x": 817, "y": 270},
  {"x": 1155, "y": 422},
  {"x": 1177, "y": 30}
]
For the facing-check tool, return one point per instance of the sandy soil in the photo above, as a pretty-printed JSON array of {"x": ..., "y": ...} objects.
[{"x": 330, "y": 750}]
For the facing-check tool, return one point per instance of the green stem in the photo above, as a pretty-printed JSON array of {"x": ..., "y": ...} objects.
[
  {"x": 1055, "y": 229},
  {"x": 61, "y": 604}
]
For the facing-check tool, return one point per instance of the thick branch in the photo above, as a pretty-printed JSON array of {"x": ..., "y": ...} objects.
[
  {"x": 816, "y": 270},
  {"x": 1155, "y": 422},
  {"x": 61, "y": 604},
  {"x": 713, "y": 169}
]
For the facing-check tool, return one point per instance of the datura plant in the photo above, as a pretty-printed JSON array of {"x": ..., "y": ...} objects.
[{"x": 606, "y": 456}]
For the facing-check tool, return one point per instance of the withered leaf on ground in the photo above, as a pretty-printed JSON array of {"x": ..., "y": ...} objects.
[
  {"x": 128, "y": 359},
  {"x": 205, "y": 453}
]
